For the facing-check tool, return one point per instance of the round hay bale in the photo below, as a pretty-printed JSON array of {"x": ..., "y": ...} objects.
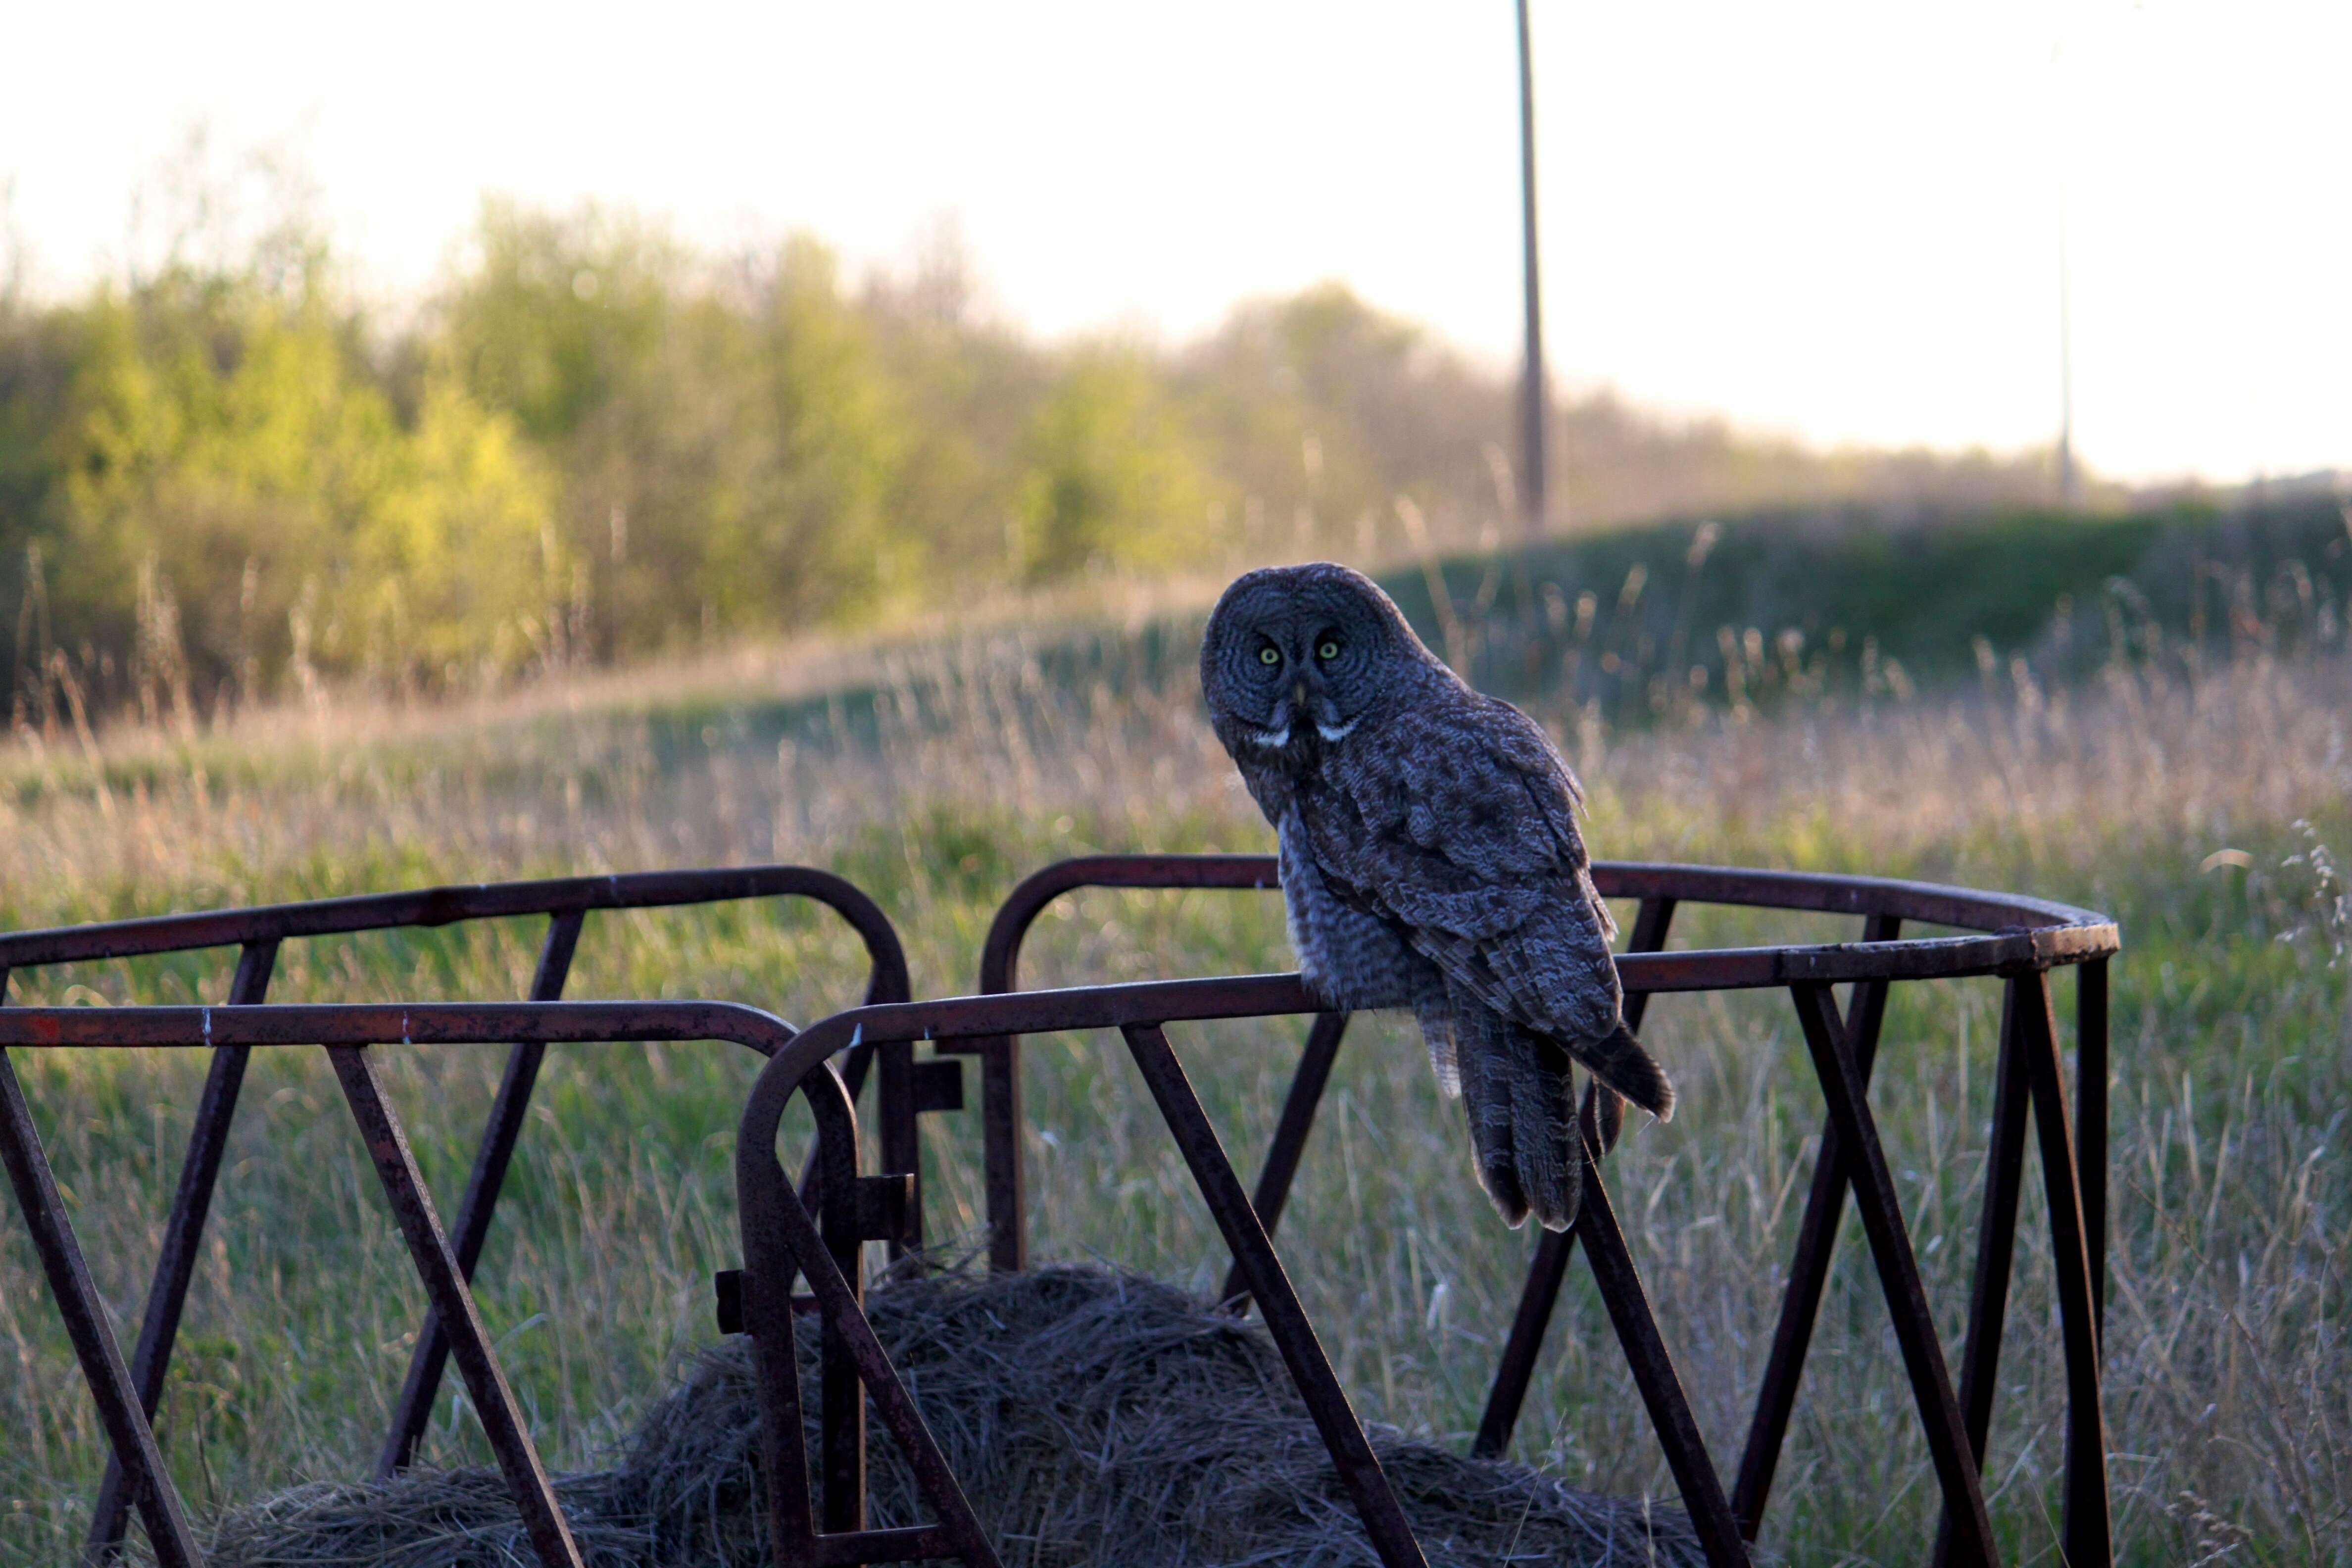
[{"x": 1093, "y": 1417}]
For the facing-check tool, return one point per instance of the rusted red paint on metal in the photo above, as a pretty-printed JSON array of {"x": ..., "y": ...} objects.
[
  {"x": 814, "y": 1231},
  {"x": 446, "y": 906},
  {"x": 1272, "y": 1193},
  {"x": 259, "y": 930},
  {"x": 1809, "y": 1267},
  {"x": 2005, "y": 934},
  {"x": 128, "y": 1430},
  {"x": 1539, "y": 1297},
  {"x": 1875, "y": 1195},
  {"x": 351, "y": 1033}
]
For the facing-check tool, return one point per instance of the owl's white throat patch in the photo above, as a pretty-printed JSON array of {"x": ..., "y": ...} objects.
[
  {"x": 1272, "y": 740},
  {"x": 1334, "y": 733}
]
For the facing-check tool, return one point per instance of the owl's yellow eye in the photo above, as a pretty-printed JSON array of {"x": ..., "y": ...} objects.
[
  {"x": 1330, "y": 648},
  {"x": 1269, "y": 655}
]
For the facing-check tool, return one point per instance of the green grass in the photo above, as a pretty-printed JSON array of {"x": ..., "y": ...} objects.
[
  {"x": 2232, "y": 1057},
  {"x": 1785, "y": 604}
]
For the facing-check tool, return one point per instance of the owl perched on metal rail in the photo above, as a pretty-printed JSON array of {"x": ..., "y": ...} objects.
[{"x": 1430, "y": 860}]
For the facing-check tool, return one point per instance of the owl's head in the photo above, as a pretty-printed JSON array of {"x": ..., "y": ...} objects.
[{"x": 1295, "y": 656}]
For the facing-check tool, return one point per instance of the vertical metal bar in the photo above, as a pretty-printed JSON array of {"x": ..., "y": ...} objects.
[
  {"x": 445, "y": 1285},
  {"x": 2085, "y": 1529},
  {"x": 1286, "y": 1320},
  {"x": 958, "y": 1523},
  {"x": 1000, "y": 1111},
  {"x": 1996, "y": 1250},
  {"x": 1299, "y": 1108},
  {"x": 1655, "y": 1375},
  {"x": 776, "y": 1380},
  {"x": 1809, "y": 1267},
  {"x": 127, "y": 1428},
  {"x": 901, "y": 1150},
  {"x": 414, "y": 1410},
  {"x": 841, "y": 1398},
  {"x": 853, "y": 1064},
  {"x": 183, "y": 1233},
  {"x": 1898, "y": 1272},
  {"x": 778, "y": 1238},
  {"x": 2091, "y": 1121},
  {"x": 768, "y": 1272},
  {"x": 1604, "y": 1112},
  {"x": 1002, "y": 1169}
]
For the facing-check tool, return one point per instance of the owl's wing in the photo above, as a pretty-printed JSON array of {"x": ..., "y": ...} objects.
[{"x": 1475, "y": 852}]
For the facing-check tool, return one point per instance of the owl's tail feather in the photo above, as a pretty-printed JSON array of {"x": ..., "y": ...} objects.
[
  {"x": 1485, "y": 1073},
  {"x": 1543, "y": 1129},
  {"x": 1618, "y": 1060},
  {"x": 1603, "y": 1116},
  {"x": 1518, "y": 1093}
]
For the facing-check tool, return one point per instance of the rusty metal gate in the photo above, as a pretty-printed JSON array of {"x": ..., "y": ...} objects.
[
  {"x": 2022, "y": 939},
  {"x": 2016, "y": 939},
  {"x": 353, "y": 1036},
  {"x": 259, "y": 932}
]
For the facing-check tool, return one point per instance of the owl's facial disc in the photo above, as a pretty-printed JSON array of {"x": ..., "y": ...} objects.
[
  {"x": 1300, "y": 664},
  {"x": 1295, "y": 658}
]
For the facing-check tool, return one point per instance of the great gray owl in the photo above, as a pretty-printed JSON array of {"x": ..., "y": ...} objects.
[{"x": 1430, "y": 860}]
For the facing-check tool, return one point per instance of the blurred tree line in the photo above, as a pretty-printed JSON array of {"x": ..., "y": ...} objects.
[{"x": 223, "y": 480}]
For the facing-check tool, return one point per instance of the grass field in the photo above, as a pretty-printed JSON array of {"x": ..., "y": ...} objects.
[{"x": 2228, "y": 1369}]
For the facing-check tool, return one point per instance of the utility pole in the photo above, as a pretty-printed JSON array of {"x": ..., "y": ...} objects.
[
  {"x": 2070, "y": 484},
  {"x": 1534, "y": 512}
]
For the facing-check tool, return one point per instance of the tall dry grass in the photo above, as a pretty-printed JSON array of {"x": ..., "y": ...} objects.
[{"x": 2226, "y": 1360}]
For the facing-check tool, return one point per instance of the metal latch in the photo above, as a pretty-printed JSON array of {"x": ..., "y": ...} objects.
[
  {"x": 937, "y": 1084},
  {"x": 728, "y": 1283}
]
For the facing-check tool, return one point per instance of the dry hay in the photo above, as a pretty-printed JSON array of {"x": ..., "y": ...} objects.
[{"x": 1094, "y": 1417}]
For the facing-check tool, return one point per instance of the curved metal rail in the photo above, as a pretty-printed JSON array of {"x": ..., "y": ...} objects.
[
  {"x": 258, "y": 932},
  {"x": 2016, "y": 938},
  {"x": 353, "y": 1036}
]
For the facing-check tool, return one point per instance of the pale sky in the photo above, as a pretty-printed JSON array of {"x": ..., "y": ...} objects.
[{"x": 1837, "y": 221}]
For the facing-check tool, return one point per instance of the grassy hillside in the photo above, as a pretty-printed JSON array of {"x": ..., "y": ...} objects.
[
  {"x": 1667, "y": 623},
  {"x": 967, "y": 763},
  {"x": 1647, "y": 619}
]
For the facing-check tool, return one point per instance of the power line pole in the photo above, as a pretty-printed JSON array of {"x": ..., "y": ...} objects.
[
  {"x": 1535, "y": 513},
  {"x": 2070, "y": 484}
]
